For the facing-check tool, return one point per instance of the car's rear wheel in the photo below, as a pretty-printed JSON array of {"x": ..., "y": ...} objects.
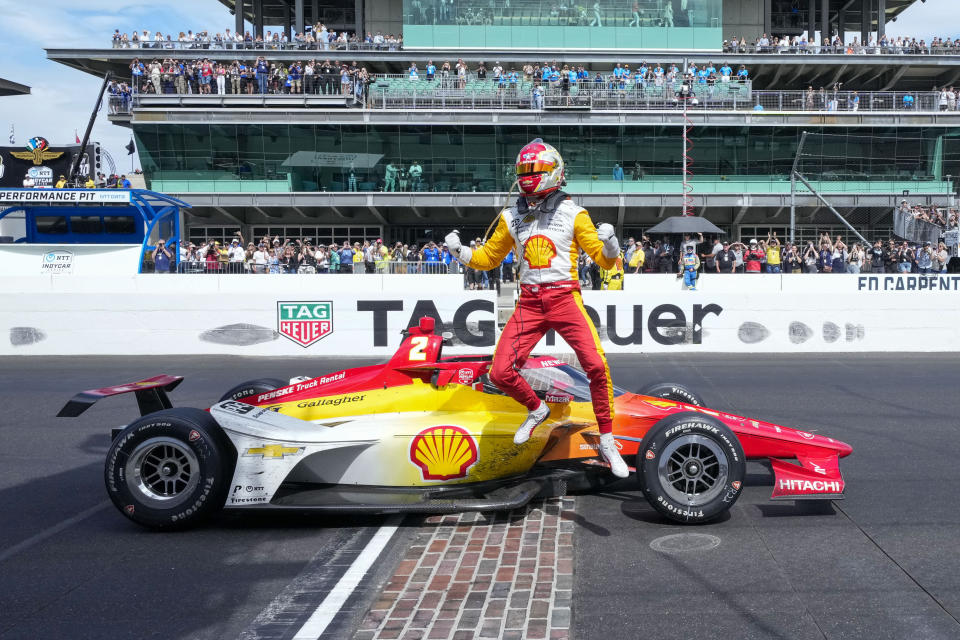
[
  {"x": 169, "y": 469},
  {"x": 672, "y": 391},
  {"x": 691, "y": 467},
  {"x": 252, "y": 388}
]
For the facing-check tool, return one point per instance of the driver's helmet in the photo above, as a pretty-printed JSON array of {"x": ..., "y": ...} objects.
[{"x": 539, "y": 169}]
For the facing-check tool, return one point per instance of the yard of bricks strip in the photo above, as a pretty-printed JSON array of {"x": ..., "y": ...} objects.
[{"x": 482, "y": 575}]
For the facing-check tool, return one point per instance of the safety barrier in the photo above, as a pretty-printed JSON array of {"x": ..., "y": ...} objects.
[{"x": 364, "y": 315}]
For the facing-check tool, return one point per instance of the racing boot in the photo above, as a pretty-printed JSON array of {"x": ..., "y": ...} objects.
[
  {"x": 608, "y": 449},
  {"x": 536, "y": 417}
]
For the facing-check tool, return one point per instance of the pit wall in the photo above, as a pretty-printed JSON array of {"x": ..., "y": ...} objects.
[{"x": 363, "y": 315}]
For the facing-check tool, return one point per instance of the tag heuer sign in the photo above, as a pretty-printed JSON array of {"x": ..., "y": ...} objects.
[{"x": 305, "y": 322}]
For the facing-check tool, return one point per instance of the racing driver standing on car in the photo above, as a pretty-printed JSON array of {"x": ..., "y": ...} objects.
[{"x": 548, "y": 230}]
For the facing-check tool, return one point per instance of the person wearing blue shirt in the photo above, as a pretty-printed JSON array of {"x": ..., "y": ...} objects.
[
  {"x": 346, "y": 258},
  {"x": 431, "y": 70},
  {"x": 908, "y": 101},
  {"x": 431, "y": 258},
  {"x": 743, "y": 74},
  {"x": 263, "y": 71},
  {"x": 617, "y": 172},
  {"x": 725, "y": 72},
  {"x": 702, "y": 76},
  {"x": 412, "y": 72},
  {"x": 508, "y": 267},
  {"x": 617, "y": 71}
]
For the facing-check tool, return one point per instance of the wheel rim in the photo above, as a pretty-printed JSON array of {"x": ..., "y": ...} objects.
[
  {"x": 163, "y": 472},
  {"x": 693, "y": 470}
]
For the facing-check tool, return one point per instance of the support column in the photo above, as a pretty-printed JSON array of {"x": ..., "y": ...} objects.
[
  {"x": 288, "y": 22},
  {"x": 358, "y": 18},
  {"x": 238, "y": 7},
  {"x": 825, "y": 21},
  {"x": 315, "y": 13},
  {"x": 841, "y": 21},
  {"x": 865, "y": 21},
  {"x": 812, "y": 21},
  {"x": 767, "y": 17},
  {"x": 257, "y": 18},
  {"x": 881, "y": 19},
  {"x": 298, "y": 16}
]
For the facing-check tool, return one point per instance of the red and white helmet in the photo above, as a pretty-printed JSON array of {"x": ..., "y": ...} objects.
[{"x": 539, "y": 169}]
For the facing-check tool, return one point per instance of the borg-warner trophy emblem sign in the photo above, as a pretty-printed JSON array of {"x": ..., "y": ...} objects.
[{"x": 305, "y": 322}]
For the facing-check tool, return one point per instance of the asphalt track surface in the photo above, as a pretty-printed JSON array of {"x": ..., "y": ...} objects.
[{"x": 884, "y": 563}]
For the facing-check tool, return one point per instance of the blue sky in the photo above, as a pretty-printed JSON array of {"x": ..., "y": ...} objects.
[{"x": 62, "y": 97}]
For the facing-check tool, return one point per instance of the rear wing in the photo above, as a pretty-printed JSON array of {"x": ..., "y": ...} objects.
[{"x": 151, "y": 395}]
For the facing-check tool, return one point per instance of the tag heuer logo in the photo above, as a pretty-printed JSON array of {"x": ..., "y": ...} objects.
[{"x": 305, "y": 322}]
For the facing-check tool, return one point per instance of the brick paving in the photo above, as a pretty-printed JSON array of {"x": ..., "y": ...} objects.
[{"x": 481, "y": 575}]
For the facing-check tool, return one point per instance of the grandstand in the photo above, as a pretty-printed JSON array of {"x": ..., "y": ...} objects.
[{"x": 339, "y": 164}]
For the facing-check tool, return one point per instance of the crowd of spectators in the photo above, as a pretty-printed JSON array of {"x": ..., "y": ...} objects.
[
  {"x": 315, "y": 38},
  {"x": 771, "y": 255},
  {"x": 557, "y": 74},
  {"x": 203, "y": 76},
  {"x": 896, "y": 45},
  {"x": 276, "y": 255},
  {"x": 101, "y": 181},
  {"x": 947, "y": 218},
  {"x": 303, "y": 255}
]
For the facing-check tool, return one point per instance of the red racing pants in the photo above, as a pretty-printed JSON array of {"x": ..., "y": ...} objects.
[{"x": 557, "y": 306}]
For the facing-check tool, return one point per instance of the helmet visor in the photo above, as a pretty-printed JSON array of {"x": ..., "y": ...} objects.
[{"x": 535, "y": 166}]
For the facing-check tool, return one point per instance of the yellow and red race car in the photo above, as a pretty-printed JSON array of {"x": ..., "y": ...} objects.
[{"x": 430, "y": 434}]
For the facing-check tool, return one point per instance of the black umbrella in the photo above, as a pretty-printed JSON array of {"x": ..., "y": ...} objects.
[{"x": 686, "y": 224}]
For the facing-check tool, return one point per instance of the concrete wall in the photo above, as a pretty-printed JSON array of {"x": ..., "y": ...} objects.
[{"x": 244, "y": 315}]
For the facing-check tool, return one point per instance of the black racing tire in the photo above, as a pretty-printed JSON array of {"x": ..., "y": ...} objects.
[
  {"x": 672, "y": 391},
  {"x": 691, "y": 467},
  {"x": 253, "y": 387},
  {"x": 170, "y": 469}
]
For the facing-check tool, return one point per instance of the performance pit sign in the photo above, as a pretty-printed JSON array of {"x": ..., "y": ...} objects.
[{"x": 66, "y": 196}]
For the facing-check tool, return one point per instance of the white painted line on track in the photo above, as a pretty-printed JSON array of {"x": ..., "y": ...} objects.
[
  {"x": 321, "y": 618},
  {"x": 52, "y": 531}
]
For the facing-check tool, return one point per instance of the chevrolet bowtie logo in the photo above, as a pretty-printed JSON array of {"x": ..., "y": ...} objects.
[{"x": 273, "y": 451}]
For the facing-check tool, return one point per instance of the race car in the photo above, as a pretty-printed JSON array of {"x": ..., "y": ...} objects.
[{"x": 430, "y": 434}]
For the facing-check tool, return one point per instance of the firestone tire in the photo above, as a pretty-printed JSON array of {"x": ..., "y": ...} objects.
[
  {"x": 672, "y": 391},
  {"x": 170, "y": 469},
  {"x": 691, "y": 467},
  {"x": 252, "y": 387}
]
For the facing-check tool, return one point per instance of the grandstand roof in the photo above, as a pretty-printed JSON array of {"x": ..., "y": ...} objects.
[{"x": 10, "y": 88}]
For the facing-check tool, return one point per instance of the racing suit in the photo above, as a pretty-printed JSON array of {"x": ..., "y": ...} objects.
[{"x": 547, "y": 241}]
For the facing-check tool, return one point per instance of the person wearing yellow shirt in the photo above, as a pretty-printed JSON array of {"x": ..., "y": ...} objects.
[
  {"x": 61, "y": 183},
  {"x": 637, "y": 260},
  {"x": 773, "y": 252},
  {"x": 612, "y": 279},
  {"x": 90, "y": 184}
]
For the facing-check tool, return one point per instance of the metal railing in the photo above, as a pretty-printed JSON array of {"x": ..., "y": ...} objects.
[
  {"x": 380, "y": 267},
  {"x": 649, "y": 99},
  {"x": 212, "y": 44},
  {"x": 730, "y": 48}
]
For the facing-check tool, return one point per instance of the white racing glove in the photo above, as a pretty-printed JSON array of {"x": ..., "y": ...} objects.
[
  {"x": 457, "y": 250},
  {"x": 607, "y": 235}
]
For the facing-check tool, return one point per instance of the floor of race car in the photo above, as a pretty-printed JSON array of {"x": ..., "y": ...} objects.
[{"x": 884, "y": 563}]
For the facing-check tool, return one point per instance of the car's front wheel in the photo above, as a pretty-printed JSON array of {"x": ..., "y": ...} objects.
[
  {"x": 672, "y": 391},
  {"x": 691, "y": 467},
  {"x": 169, "y": 469}
]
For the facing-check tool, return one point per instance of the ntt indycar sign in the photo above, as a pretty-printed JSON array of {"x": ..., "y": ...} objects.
[{"x": 64, "y": 196}]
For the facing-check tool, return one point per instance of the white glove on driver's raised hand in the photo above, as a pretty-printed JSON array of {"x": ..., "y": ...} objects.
[
  {"x": 607, "y": 235},
  {"x": 457, "y": 250}
]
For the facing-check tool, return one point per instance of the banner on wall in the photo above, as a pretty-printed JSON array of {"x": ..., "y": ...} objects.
[{"x": 365, "y": 316}]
